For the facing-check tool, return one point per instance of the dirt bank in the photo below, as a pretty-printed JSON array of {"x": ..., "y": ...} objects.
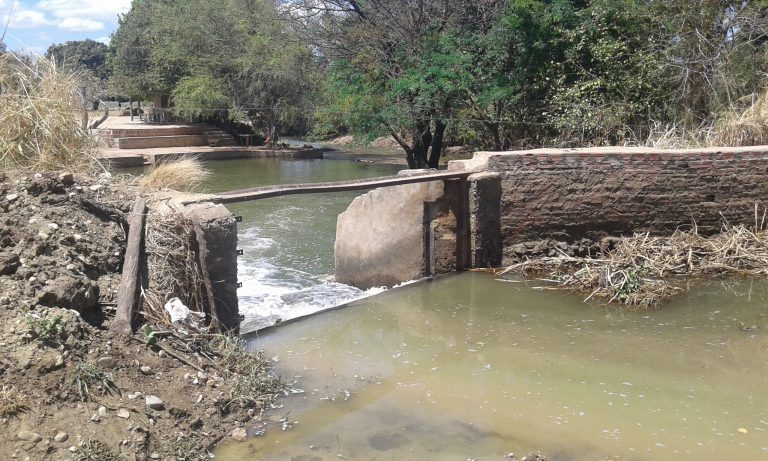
[{"x": 71, "y": 390}]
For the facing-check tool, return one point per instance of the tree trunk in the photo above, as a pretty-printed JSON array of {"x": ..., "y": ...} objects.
[{"x": 437, "y": 144}]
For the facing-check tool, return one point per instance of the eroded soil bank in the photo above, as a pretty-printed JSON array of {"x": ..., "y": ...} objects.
[{"x": 72, "y": 390}]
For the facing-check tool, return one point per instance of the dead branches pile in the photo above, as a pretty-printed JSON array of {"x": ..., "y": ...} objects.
[
  {"x": 640, "y": 271},
  {"x": 174, "y": 272}
]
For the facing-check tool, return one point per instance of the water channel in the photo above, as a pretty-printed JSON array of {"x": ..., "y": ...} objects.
[{"x": 470, "y": 367}]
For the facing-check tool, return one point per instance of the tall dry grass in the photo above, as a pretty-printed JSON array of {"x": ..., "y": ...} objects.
[
  {"x": 40, "y": 117},
  {"x": 188, "y": 174},
  {"x": 745, "y": 127}
]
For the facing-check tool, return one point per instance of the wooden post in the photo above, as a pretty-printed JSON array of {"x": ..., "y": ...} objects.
[{"x": 127, "y": 294}]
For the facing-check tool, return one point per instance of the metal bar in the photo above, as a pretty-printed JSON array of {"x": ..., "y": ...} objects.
[{"x": 257, "y": 193}]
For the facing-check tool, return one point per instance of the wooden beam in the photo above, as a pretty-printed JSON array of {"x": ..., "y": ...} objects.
[
  {"x": 127, "y": 294},
  {"x": 257, "y": 193}
]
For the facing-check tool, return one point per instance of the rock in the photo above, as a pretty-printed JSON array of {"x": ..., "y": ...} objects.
[
  {"x": 123, "y": 413},
  {"x": 72, "y": 292},
  {"x": 239, "y": 434},
  {"x": 53, "y": 226},
  {"x": 107, "y": 362},
  {"x": 61, "y": 437},
  {"x": 103, "y": 412},
  {"x": 154, "y": 455},
  {"x": 202, "y": 376},
  {"x": 59, "y": 361},
  {"x": 30, "y": 436},
  {"x": 162, "y": 354},
  {"x": 146, "y": 370},
  {"x": 96, "y": 187},
  {"x": 67, "y": 179},
  {"x": 11, "y": 197},
  {"x": 154, "y": 402},
  {"x": 9, "y": 263}
]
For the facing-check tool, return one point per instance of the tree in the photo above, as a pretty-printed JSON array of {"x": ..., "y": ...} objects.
[
  {"x": 87, "y": 60},
  {"x": 399, "y": 55},
  {"x": 242, "y": 64}
]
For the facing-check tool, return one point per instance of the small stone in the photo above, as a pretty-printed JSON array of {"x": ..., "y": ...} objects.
[
  {"x": 154, "y": 402},
  {"x": 95, "y": 418},
  {"x": 146, "y": 370},
  {"x": 67, "y": 179},
  {"x": 96, "y": 187},
  {"x": 71, "y": 267},
  {"x": 61, "y": 437},
  {"x": 12, "y": 197},
  {"x": 103, "y": 412},
  {"x": 195, "y": 381},
  {"x": 107, "y": 362},
  {"x": 43, "y": 235},
  {"x": 30, "y": 436},
  {"x": 251, "y": 412},
  {"x": 154, "y": 455},
  {"x": 239, "y": 434},
  {"x": 162, "y": 354},
  {"x": 59, "y": 361},
  {"x": 123, "y": 413},
  {"x": 199, "y": 398},
  {"x": 53, "y": 226},
  {"x": 202, "y": 376}
]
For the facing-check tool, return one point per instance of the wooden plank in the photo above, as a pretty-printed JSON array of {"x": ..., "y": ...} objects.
[
  {"x": 314, "y": 188},
  {"x": 127, "y": 294}
]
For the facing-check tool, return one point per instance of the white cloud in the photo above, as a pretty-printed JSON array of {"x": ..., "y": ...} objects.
[
  {"x": 28, "y": 19},
  {"x": 95, "y": 10},
  {"x": 104, "y": 40},
  {"x": 80, "y": 24}
]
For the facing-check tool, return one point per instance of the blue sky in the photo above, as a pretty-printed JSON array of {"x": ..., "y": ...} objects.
[{"x": 34, "y": 25}]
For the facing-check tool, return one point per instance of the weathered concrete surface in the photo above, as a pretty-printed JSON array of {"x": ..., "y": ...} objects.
[
  {"x": 575, "y": 197},
  {"x": 486, "y": 247},
  {"x": 218, "y": 230},
  {"x": 380, "y": 237}
]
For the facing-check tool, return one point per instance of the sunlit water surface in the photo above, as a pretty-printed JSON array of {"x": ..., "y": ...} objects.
[
  {"x": 470, "y": 367},
  {"x": 467, "y": 366}
]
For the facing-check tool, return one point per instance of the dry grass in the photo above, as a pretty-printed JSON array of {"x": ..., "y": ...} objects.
[
  {"x": 174, "y": 270},
  {"x": 187, "y": 174},
  {"x": 640, "y": 270},
  {"x": 12, "y": 402},
  {"x": 41, "y": 117},
  {"x": 747, "y": 127}
]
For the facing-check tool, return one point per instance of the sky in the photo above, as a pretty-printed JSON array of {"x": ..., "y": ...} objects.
[{"x": 37, "y": 24}]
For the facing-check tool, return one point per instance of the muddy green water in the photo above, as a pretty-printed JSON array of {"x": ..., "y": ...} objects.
[
  {"x": 467, "y": 366},
  {"x": 470, "y": 367}
]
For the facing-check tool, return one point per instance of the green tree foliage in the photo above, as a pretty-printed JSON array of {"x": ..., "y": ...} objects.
[
  {"x": 218, "y": 59},
  {"x": 87, "y": 59},
  {"x": 533, "y": 72}
]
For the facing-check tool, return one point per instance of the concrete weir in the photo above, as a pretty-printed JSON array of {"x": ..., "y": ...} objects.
[{"x": 401, "y": 233}]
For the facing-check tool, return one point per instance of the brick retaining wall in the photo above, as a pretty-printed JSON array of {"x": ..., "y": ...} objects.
[{"x": 567, "y": 195}]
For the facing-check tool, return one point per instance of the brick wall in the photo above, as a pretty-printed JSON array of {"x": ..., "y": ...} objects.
[{"x": 567, "y": 195}]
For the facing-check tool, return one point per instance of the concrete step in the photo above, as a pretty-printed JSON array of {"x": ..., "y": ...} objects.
[
  {"x": 149, "y": 142},
  {"x": 155, "y": 131}
]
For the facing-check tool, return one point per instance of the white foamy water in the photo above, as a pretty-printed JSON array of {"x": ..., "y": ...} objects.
[{"x": 274, "y": 292}]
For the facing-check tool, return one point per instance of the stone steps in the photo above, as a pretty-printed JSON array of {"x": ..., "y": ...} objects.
[{"x": 149, "y": 142}]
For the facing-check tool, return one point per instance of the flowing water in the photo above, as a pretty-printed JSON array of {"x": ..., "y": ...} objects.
[
  {"x": 467, "y": 366},
  {"x": 287, "y": 242}
]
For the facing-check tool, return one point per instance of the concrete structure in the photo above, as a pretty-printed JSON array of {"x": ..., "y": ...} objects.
[{"x": 544, "y": 201}]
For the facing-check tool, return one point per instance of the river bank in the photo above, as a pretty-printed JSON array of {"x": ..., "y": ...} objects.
[{"x": 72, "y": 388}]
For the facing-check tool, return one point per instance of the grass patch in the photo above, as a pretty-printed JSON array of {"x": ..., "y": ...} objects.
[
  {"x": 88, "y": 375},
  {"x": 12, "y": 402},
  {"x": 188, "y": 448},
  {"x": 188, "y": 174},
  {"x": 641, "y": 271},
  {"x": 748, "y": 127},
  {"x": 94, "y": 450},
  {"x": 249, "y": 380},
  {"x": 41, "y": 117}
]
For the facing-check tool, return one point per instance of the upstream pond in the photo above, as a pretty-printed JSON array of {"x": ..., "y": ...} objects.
[{"x": 470, "y": 367}]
